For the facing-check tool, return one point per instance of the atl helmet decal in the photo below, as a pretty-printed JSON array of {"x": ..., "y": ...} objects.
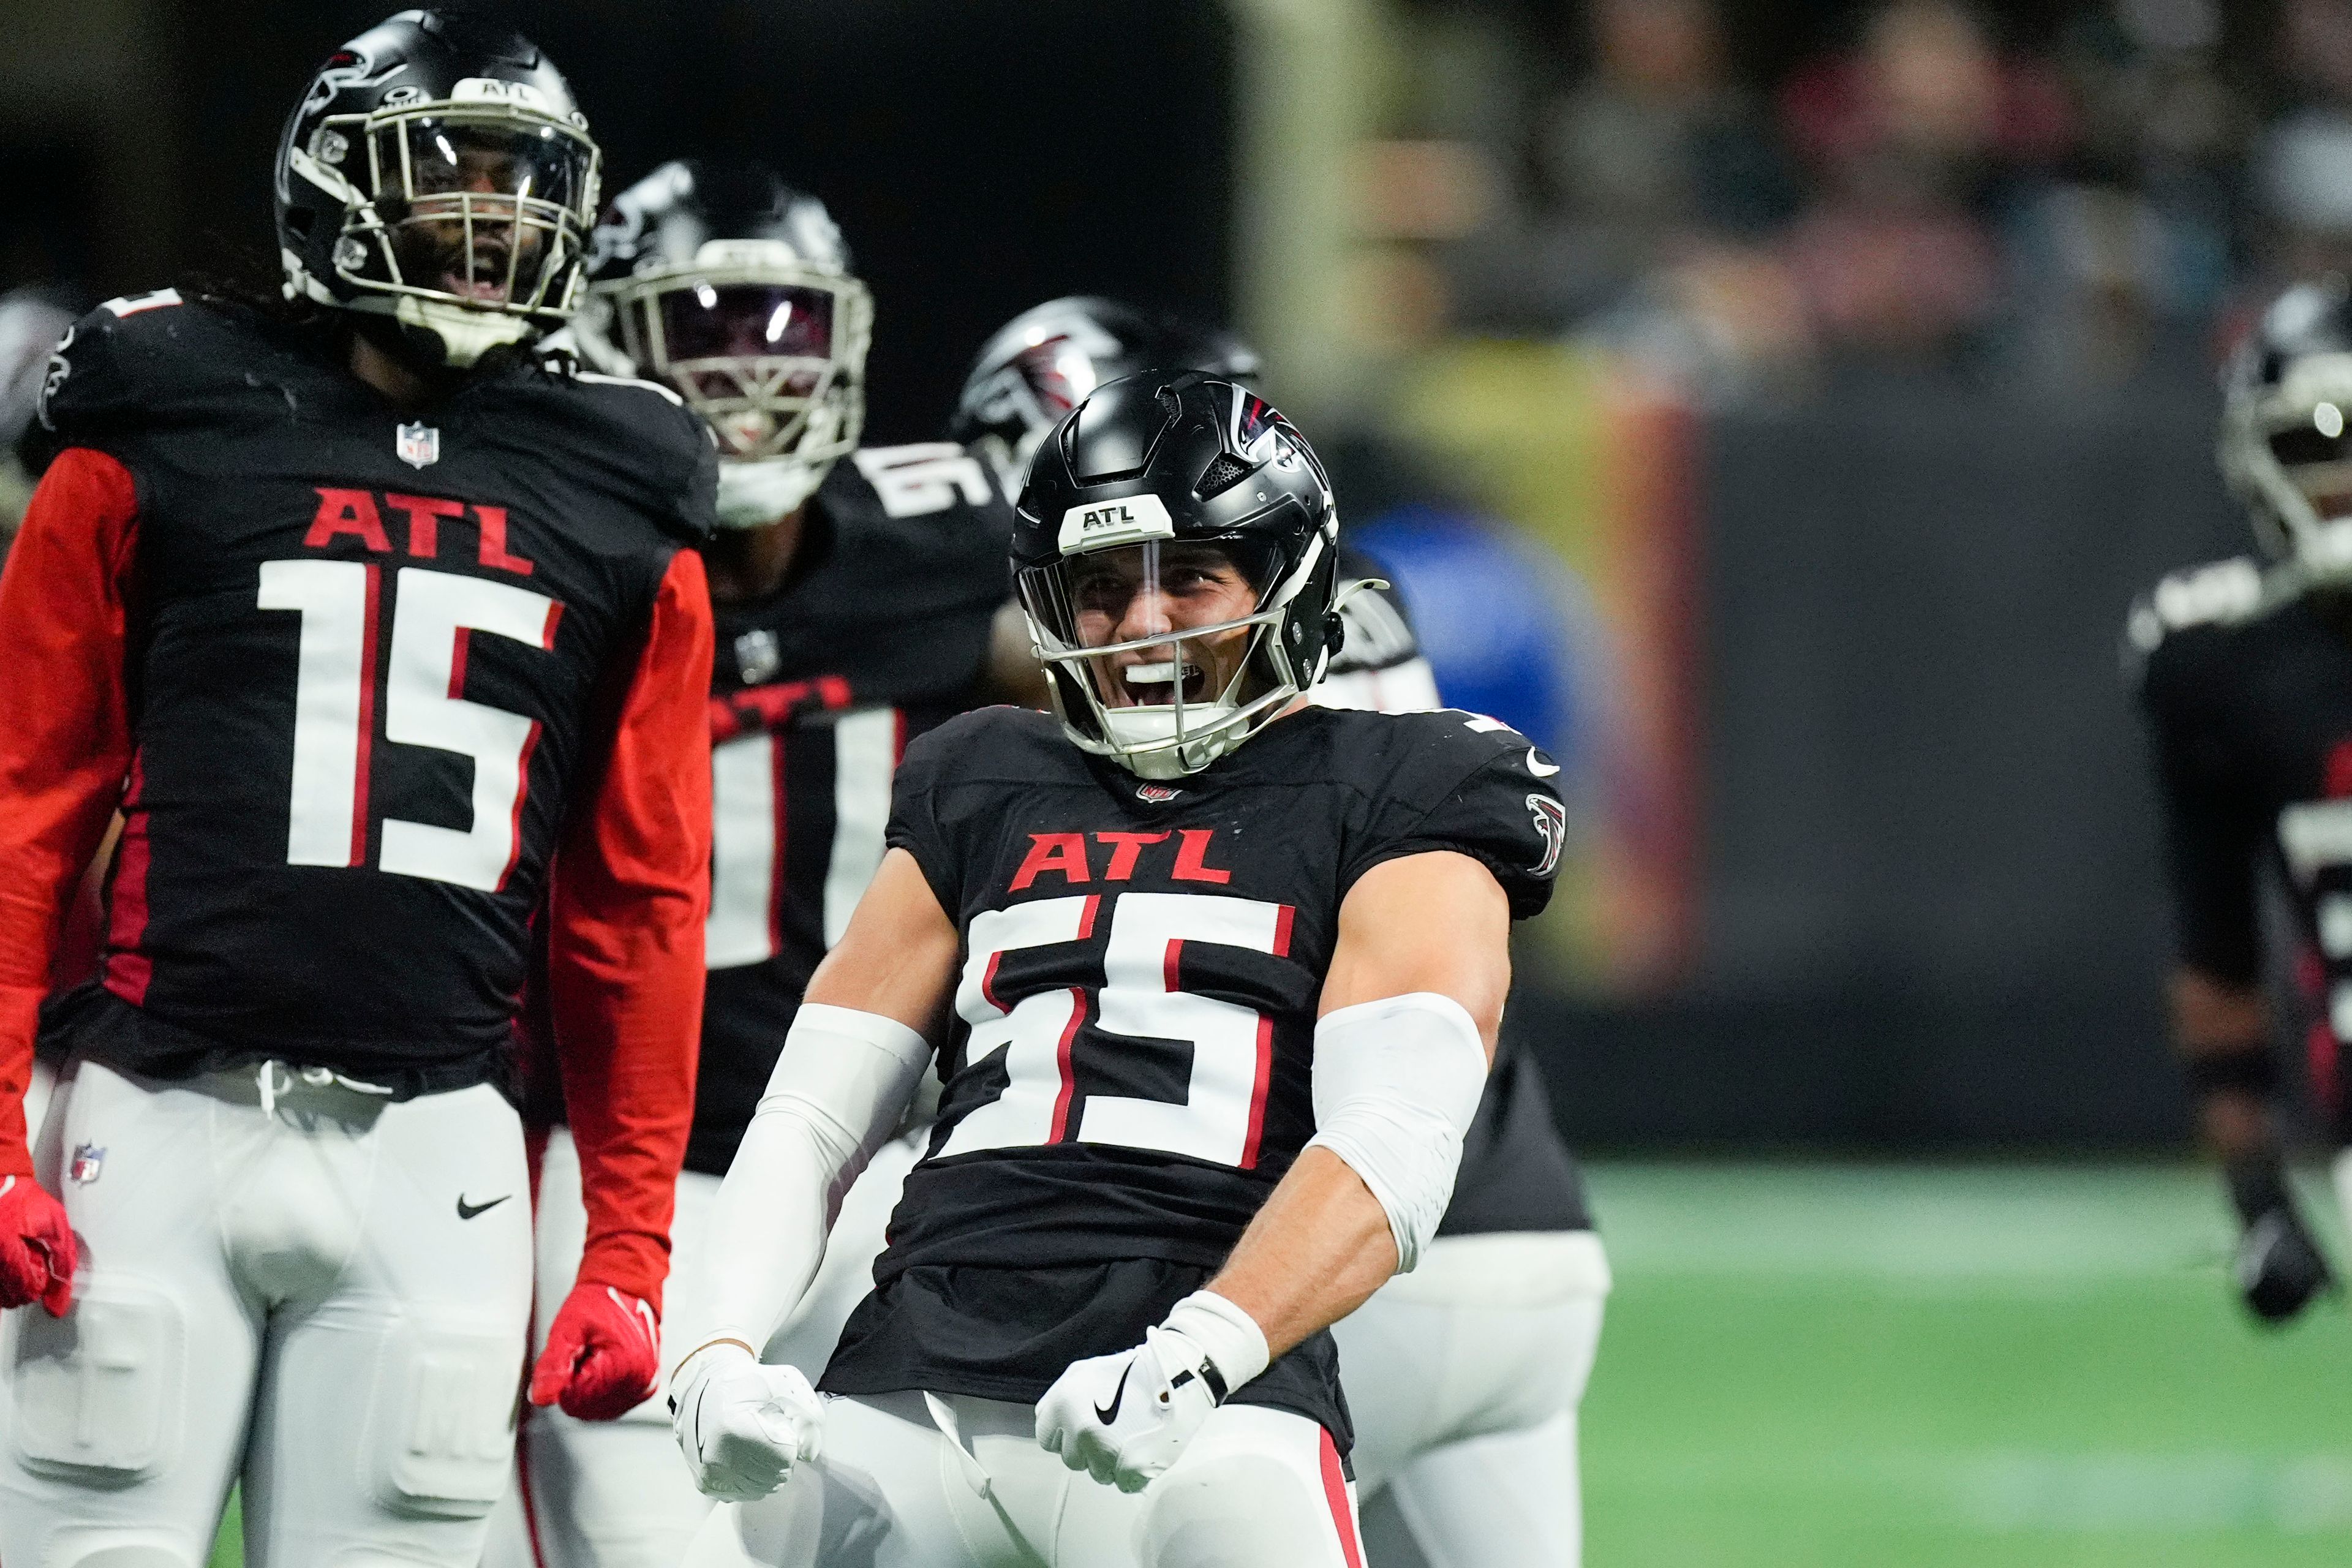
[{"x": 1551, "y": 827}]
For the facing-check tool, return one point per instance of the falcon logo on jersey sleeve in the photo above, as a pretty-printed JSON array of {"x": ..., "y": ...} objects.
[{"x": 1551, "y": 826}]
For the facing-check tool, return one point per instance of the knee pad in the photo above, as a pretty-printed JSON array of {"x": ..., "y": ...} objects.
[
  {"x": 98, "y": 1392},
  {"x": 441, "y": 1417}
]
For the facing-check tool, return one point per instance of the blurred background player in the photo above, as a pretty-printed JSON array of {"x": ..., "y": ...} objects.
[
  {"x": 1462, "y": 1377},
  {"x": 347, "y": 725},
  {"x": 2245, "y": 674},
  {"x": 858, "y": 604},
  {"x": 1101, "y": 1160}
]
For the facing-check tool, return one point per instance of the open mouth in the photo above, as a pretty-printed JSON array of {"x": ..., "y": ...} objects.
[
  {"x": 1156, "y": 684},
  {"x": 485, "y": 280}
]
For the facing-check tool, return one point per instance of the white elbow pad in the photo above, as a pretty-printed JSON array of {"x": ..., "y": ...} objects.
[
  {"x": 848, "y": 1075},
  {"x": 1396, "y": 1083}
]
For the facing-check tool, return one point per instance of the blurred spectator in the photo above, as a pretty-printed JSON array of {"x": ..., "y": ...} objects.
[
  {"x": 2301, "y": 168},
  {"x": 2129, "y": 255},
  {"x": 1660, "y": 148},
  {"x": 1907, "y": 137}
]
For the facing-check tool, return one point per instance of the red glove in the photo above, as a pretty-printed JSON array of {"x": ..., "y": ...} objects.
[
  {"x": 601, "y": 1356},
  {"x": 36, "y": 1247}
]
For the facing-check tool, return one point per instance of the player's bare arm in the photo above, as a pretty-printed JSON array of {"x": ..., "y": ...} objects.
[{"x": 1429, "y": 924}]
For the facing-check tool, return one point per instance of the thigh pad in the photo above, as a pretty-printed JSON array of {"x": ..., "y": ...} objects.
[
  {"x": 441, "y": 1414},
  {"x": 100, "y": 1392}
]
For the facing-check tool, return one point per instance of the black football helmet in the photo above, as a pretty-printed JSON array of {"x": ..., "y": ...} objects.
[
  {"x": 1048, "y": 359},
  {"x": 1144, "y": 465},
  {"x": 438, "y": 174},
  {"x": 736, "y": 289},
  {"x": 2285, "y": 447}
]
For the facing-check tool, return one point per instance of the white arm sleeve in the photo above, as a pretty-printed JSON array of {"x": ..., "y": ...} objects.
[
  {"x": 1396, "y": 1083},
  {"x": 842, "y": 1083}
]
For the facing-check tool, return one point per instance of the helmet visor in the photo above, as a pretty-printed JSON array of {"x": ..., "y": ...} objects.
[{"x": 701, "y": 321}]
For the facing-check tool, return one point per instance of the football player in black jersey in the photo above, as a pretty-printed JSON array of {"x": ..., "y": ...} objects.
[
  {"x": 2245, "y": 675},
  {"x": 387, "y": 639},
  {"x": 1215, "y": 976},
  {"x": 1464, "y": 1375},
  {"x": 856, "y": 592}
]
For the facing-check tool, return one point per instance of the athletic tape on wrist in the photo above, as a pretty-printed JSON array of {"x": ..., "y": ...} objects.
[{"x": 1229, "y": 1336}]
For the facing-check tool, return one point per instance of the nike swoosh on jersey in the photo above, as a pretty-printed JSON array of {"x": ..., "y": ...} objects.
[
  {"x": 1538, "y": 766},
  {"x": 1118, "y": 1396},
  {"x": 467, "y": 1211}
]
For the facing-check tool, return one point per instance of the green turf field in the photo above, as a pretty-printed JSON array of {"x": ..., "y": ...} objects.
[
  {"x": 1979, "y": 1367},
  {"x": 1991, "y": 1367}
]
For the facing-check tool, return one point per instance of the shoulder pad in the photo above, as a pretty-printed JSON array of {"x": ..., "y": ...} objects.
[
  {"x": 104, "y": 369},
  {"x": 2224, "y": 593}
]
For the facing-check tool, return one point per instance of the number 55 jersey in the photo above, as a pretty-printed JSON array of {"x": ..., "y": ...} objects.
[
  {"x": 353, "y": 674},
  {"x": 1128, "y": 1070}
]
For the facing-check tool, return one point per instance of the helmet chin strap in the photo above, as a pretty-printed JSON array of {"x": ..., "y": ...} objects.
[
  {"x": 756, "y": 493},
  {"x": 461, "y": 336}
]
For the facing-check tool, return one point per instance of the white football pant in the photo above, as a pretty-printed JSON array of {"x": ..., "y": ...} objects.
[
  {"x": 1463, "y": 1378},
  {"x": 291, "y": 1283},
  {"x": 920, "y": 1480},
  {"x": 616, "y": 1494}
]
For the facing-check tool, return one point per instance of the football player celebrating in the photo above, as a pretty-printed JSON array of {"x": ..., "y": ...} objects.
[
  {"x": 856, "y": 603},
  {"x": 382, "y": 635},
  {"x": 2245, "y": 675},
  {"x": 1464, "y": 1375},
  {"x": 1216, "y": 975}
]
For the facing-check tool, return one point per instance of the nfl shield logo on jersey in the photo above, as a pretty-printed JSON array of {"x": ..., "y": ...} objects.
[
  {"x": 1156, "y": 794},
  {"x": 757, "y": 654},
  {"x": 88, "y": 1161},
  {"x": 417, "y": 445}
]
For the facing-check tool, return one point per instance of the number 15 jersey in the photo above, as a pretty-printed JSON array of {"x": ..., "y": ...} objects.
[{"x": 352, "y": 675}]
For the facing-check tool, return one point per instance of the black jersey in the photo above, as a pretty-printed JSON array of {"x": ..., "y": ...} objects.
[
  {"x": 881, "y": 633},
  {"x": 373, "y": 661},
  {"x": 2247, "y": 695},
  {"x": 1130, "y": 1070}
]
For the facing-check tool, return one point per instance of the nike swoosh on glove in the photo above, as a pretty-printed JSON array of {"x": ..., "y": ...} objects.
[
  {"x": 36, "y": 1247},
  {"x": 1124, "y": 1419},
  {"x": 603, "y": 1355},
  {"x": 742, "y": 1425}
]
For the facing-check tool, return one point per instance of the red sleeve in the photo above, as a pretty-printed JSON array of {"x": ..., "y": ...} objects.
[
  {"x": 65, "y": 734},
  {"x": 624, "y": 948}
]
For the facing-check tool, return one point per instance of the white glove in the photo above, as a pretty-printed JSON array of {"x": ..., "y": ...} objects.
[
  {"x": 1124, "y": 1419},
  {"x": 742, "y": 1425}
]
